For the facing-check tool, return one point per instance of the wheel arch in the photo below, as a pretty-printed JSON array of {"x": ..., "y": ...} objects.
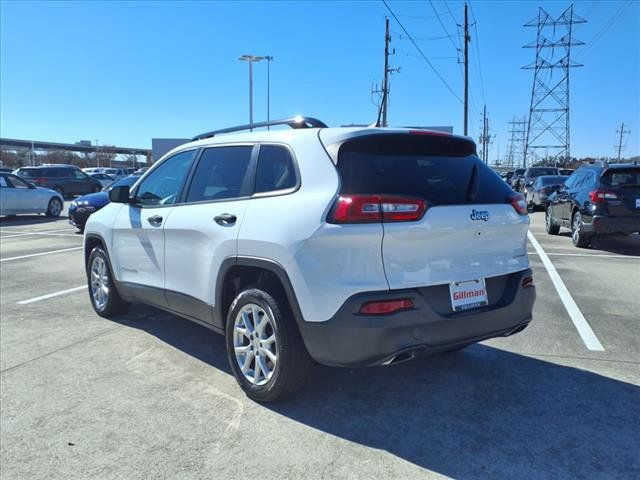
[
  {"x": 237, "y": 273},
  {"x": 91, "y": 241}
]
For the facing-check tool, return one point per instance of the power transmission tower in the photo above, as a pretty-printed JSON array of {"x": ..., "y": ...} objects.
[
  {"x": 517, "y": 142},
  {"x": 549, "y": 128},
  {"x": 622, "y": 133}
]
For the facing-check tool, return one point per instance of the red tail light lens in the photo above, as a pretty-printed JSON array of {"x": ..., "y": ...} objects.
[
  {"x": 601, "y": 196},
  {"x": 40, "y": 181},
  {"x": 527, "y": 282},
  {"x": 386, "y": 307},
  {"x": 518, "y": 203},
  {"x": 376, "y": 208}
]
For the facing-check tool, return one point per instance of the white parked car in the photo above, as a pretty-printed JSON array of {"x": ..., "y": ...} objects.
[
  {"x": 347, "y": 246},
  {"x": 19, "y": 196},
  {"x": 116, "y": 173},
  {"x": 92, "y": 170}
]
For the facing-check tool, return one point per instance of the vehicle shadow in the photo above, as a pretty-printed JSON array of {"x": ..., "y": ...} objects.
[
  {"x": 478, "y": 413},
  {"x": 24, "y": 220},
  {"x": 617, "y": 244}
]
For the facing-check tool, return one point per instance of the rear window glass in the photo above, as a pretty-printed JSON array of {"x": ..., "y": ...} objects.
[
  {"x": 275, "y": 169},
  {"x": 552, "y": 180},
  {"x": 441, "y": 170},
  {"x": 29, "y": 172},
  {"x": 622, "y": 177},
  {"x": 536, "y": 172}
]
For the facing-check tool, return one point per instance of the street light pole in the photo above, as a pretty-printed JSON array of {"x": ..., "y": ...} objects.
[
  {"x": 251, "y": 59},
  {"x": 268, "y": 58}
]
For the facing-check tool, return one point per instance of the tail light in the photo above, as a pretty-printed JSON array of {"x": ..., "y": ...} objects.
[
  {"x": 386, "y": 307},
  {"x": 518, "y": 203},
  {"x": 39, "y": 181},
  {"x": 527, "y": 282},
  {"x": 601, "y": 196},
  {"x": 376, "y": 208}
]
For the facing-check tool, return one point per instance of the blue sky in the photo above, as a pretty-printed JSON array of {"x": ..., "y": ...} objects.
[{"x": 124, "y": 72}]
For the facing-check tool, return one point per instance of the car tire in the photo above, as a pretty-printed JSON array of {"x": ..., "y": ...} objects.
[
  {"x": 264, "y": 347},
  {"x": 54, "y": 208},
  {"x": 579, "y": 238},
  {"x": 104, "y": 296},
  {"x": 551, "y": 227}
]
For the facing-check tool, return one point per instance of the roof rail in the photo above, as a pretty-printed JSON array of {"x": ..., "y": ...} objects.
[{"x": 295, "y": 122}]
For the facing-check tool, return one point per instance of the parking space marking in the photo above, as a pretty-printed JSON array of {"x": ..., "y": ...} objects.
[
  {"x": 40, "y": 254},
  {"x": 51, "y": 295},
  {"x": 584, "y": 329},
  {"x": 591, "y": 255},
  {"x": 19, "y": 233},
  {"x": 46, "y": 234}
]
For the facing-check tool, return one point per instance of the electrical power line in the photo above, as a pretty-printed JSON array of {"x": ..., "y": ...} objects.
[
  {"x": 421, "y": 52},
  {"x": 443, "y": 27},
  {"x": 478, "y": 61},
  {"x": 608, "y": 24}
]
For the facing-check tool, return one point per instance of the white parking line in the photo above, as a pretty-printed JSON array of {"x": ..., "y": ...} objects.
[
  {"x": 39, "y": 254},
  {"x": 591, "y": 255},
  {"x": 19, "y": 233},
  {"x": 46, "y": 234},
  {"x": 51, "y": 295},
  {"x": 586, "y": 333}
]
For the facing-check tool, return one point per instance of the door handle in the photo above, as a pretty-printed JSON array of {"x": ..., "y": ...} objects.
[
  {"x": 225, "y": 219},
  {"x": 155, "y": 220}
]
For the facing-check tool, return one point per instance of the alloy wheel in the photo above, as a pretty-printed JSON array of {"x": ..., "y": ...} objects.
[
  {"x": 55, "y": 208},
  {"x": 254, "y": 343},
  {"x": 99, "y": 282}
]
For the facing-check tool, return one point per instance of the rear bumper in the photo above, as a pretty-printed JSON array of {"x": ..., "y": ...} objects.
[
  {"x": 601, "y": 224},
  {"x": 78, "y": 217},
  {"x": 353, "y": 339}
]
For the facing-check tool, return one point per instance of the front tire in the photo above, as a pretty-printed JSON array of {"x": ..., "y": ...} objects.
[
  {"x": 54, "y": 208},
  {"x": 264, "y": 348},
  {"x": 579, "y": 238},
  {"x": 105, "y": 299},
  {"x": 551, "y": 227}
]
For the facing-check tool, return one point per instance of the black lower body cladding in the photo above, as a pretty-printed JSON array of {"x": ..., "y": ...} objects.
[
  {"x": 601, "y": 224},
  {"x": 352, "y": 339}
]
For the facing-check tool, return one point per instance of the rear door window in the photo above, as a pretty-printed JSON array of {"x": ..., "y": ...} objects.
[
  {"x": 442, "y": 170},
  {"x": 220, "y": 174},
  {"x": 275, "y": 169}
]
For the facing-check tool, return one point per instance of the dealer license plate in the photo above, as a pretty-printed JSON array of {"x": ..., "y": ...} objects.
[{"x": 468, "y": 295}]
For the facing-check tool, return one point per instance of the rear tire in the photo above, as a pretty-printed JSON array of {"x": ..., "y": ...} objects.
[
  {"x": 264, "y": 347},
  {"x": 54, "y": 208},
  {"x": 104, "y": 296},
  {"x": 578, "y": 237},
  {"x": 551, "y": 227}
]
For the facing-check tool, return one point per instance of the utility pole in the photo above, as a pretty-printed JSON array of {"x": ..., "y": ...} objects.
[
  {"x": 622, "y": 133},
  {"x": 385, "y": 85},
  {"x": 466, "y": 70},
  {"x": 484, "y": 134}
]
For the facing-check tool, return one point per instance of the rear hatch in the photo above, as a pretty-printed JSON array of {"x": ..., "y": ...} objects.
[
  {"x": 620, "y": 191},
  {"x": 446, "y": 216}
]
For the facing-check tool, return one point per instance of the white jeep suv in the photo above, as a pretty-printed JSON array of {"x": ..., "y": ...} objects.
[{"x": 347, "y": 246}]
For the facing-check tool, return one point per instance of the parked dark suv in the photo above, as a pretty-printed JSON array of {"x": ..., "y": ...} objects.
[
  {"x": 532, "y": 173},
  {"x": 67, "y": 180},
  {"x": 596, "y": 199}
]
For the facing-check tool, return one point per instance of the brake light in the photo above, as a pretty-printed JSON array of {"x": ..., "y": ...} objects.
[
  {"x": 527, "y": 282},
  {"x": 376, "y": 208},
  {"x": 386, "y": 307},
  {"x": 601, "y": 196},
  {"x": 518, "y": 203}
]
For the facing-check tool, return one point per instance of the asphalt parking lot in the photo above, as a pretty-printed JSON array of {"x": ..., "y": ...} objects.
[{"x": 150, "y": 395}]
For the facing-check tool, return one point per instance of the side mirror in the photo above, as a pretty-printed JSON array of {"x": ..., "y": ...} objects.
[{"x": 120, "y": 194}]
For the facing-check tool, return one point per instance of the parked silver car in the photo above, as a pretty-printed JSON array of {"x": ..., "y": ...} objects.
[{"x": 19, "y": 196}]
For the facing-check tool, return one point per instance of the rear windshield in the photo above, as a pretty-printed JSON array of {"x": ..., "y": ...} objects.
[
  {"x": 520, "y": 171},
  {"x": 555, "y": 180},
  {"x": 536, "y": 172},
  {"x": 441, "y": 170},
  {"x": 621, "y": 177}
]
